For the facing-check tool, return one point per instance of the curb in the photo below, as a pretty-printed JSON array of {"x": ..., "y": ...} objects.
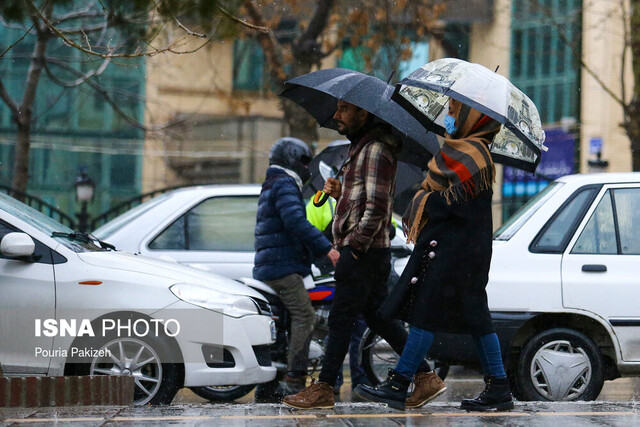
[{"x": 66, "y": 391}]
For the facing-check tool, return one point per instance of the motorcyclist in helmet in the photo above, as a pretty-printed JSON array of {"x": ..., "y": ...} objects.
[{"x": 286, "y": 244}]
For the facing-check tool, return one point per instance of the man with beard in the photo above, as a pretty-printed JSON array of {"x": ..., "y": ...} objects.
[{"x": 361, "y": 234}]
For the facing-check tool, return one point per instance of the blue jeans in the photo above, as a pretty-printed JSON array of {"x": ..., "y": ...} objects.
[
  {"x": 488, "y": 349},
  {"x": 419, "y": 342}
]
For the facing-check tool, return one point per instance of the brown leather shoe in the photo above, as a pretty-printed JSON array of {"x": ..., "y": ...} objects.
[
  {"x": 318, "y": 395},
  {"x": 428, "y": 386}
]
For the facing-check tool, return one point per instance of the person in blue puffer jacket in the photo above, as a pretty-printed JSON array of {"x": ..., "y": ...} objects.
[{"x": 286, "y": 244}]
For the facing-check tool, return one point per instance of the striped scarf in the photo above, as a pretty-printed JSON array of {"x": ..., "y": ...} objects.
[{"x": 460, "y": 170}]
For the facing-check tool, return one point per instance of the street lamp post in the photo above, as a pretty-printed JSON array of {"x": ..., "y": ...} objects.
[{"x": 84, "y": 194}]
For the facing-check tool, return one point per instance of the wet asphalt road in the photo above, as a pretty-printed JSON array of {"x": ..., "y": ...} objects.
[
  {"x": 617, "y": 405},
  {"x": 344, "y": 414}
]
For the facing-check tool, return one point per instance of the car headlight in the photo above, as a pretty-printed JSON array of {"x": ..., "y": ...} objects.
[{"x": 228, "y": 304}]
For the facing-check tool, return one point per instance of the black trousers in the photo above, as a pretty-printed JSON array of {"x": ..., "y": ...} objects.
[{"x": 361, "y": 287}]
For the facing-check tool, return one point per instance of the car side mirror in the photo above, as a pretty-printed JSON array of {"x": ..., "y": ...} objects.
[{"x": 17, "y": 245}]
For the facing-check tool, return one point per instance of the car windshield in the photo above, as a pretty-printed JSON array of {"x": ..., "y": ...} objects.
[
  {"x": 522, "y": 215},
  {"x": 46, "y": 225},
  {"x": 118, "y": 222}
]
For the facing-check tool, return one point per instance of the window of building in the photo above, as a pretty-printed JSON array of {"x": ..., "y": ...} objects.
[
  {"x": 74, "y": 126},
  {"x": 381, "y": 62},
  {"x": 542, "y": 61},
  {"x": 248, "y": 65},
  {"x": 545, "y": 39}
]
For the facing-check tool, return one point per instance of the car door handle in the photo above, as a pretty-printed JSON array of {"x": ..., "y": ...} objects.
[{"x": 594, "y": 268}]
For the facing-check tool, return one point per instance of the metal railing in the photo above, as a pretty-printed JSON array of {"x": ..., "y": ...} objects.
[
  {"x": 128, "y": 204},
  {"x": 40, "y": 205}
]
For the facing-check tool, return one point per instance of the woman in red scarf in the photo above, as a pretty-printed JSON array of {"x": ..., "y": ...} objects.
[{"x": 442, "y": 288}]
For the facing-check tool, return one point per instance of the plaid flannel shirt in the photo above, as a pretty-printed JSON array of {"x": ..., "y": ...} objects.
[{"x": 363, "y": 213}]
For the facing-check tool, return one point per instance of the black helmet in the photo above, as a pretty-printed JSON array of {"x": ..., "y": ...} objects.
[
  {"x": 287, "y": 151},
  {"x": 293, "y": 154}
]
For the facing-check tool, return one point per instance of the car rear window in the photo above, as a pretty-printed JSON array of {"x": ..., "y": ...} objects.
[{"x": 614, "y": 226}]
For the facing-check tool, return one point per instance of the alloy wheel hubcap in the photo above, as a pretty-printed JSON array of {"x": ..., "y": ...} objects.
[
  {"x": 133, "y": 358},
  {"x": 560, "y": 371}
]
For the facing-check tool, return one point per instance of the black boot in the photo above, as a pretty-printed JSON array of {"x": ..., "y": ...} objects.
[
  {"x": 496, "y": 395},
  {"x": 393, "y": 391}
]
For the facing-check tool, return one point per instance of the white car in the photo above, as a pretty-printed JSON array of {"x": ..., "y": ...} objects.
[
  {"x": 70, "y": 305},
  {"x": 564, "y": 289},
  {"x": 210, "y": 227},
  {"x": 563, "y": 286}
]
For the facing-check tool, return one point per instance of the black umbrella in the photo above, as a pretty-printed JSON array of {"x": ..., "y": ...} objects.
[
  {"x": 319, "y": 92},
  {"x": 329, "y": 161}
]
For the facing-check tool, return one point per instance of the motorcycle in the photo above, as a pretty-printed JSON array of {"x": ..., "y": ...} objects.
[{"x": 321, "y": 289}]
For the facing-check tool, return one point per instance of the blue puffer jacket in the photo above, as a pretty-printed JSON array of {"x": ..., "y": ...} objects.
[{"x": 286, "y": 243}]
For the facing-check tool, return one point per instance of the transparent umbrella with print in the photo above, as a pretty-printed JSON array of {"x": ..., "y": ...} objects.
[{"x": 426, "y": 92}]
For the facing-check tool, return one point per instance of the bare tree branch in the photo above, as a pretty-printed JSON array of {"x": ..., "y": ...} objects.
[
  {"x": 102, "y": 91},
  {"x": 107, "y": 97},
  {"x": 70, "y": 42},
  {"x": 330, "y": 50},
  {"x": 63, "y": 36},
  {"x": 11, "y": 103},
  {"x": 13, "y": 26},
  {"x": 261, "y": 28},
  {"x": 319, "y": 21},
  {"x": 188, "y": 31},
  {"x": 268, "y": 42},
  {"x": 79, "y": 14},
  {"x": 80, "y": 80},
  {"x": 17, "y": 41},
  {"x": 35, "y": 68},
  {"x": 82, "y": 30}
]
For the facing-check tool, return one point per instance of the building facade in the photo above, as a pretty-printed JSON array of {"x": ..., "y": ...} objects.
[
  {"x": 74, "y": 128},
  {"x": 214, "y": 118}
]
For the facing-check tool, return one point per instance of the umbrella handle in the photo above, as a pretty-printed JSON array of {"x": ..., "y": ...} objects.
[{"x": 320, "y": 198}]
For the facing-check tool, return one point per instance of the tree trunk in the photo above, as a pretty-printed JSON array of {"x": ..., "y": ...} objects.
[
  {"x": 635, "y": 152},
  {"x": 632, "y": 122},
  {"x": 306, "y": 53},
  {"x": 25, "y": 110},
  {"x": 301, "y": 124},
  {"x": 632, "y": 129},
  {"x": 21, "y": 155}
]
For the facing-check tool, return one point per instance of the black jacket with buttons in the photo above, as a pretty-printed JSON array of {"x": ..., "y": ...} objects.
[{"x": 448, "y": 293}]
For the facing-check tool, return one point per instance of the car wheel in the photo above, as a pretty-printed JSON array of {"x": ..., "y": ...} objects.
[
  {"x": 155, "y": 382},
  {"x": 559, "y": 365},
  {"x": 377, "y": 357},
  {"x": 223, "y": 393}
]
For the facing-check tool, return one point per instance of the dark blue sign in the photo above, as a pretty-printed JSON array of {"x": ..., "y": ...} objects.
[{"x": 557, "y": 162}]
